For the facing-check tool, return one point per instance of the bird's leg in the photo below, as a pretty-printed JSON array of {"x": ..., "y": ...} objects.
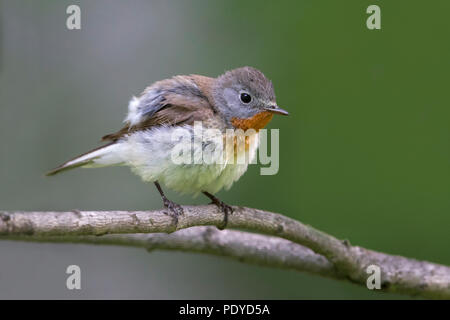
[
  {"x": 174, "y": 209},
  {"x": 226, "y": 209}
]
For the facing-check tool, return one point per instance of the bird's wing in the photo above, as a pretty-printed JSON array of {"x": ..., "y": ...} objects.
[{"x": 176, "y": 101}]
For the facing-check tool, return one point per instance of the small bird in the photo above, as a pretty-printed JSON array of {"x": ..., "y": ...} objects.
[{"x": 242, "y": 98}]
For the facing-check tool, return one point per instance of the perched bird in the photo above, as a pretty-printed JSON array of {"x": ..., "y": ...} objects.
[{"x": 242, "y": 98}]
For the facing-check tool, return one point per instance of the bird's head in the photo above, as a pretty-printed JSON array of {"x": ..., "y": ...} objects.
[{"x": 246, "y": 98}]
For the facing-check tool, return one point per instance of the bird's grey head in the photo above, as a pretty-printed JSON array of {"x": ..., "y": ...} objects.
[{"x": 244, "y": 92}]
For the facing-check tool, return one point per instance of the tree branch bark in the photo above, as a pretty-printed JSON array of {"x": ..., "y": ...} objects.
[{"x": 302, "y": 248}]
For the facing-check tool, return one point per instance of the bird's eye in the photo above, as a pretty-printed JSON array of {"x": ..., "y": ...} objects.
[{"x": 245, "y": 97}]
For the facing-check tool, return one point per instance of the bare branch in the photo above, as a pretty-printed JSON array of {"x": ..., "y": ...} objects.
[
  {"x": 333, "y": 258},
  {"x": 243, "y": 246}
]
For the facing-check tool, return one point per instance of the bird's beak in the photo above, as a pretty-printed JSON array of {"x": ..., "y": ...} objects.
[{"x": 276, "y": 109}]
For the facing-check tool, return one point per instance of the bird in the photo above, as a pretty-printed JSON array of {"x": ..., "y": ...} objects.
[{"x": 239, "y": 99}]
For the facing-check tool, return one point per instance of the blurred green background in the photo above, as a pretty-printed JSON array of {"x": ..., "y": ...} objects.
[{"x": 364, "y": 155}]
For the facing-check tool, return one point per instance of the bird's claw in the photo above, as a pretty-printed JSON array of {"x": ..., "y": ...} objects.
[
  {"x": 226, "y": 209},
  {"x": 173, "y": 209}
]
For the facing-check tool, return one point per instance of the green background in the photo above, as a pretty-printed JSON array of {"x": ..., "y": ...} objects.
[{"x": 363, "y": 156}]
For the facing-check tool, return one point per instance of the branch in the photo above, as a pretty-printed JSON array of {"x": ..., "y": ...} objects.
[
  {"x": 242, "y": 246},
  {"x": 329, "y": 256}
]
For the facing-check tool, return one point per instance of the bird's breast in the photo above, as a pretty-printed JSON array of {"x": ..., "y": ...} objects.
[{"x": 257, "y": 122}]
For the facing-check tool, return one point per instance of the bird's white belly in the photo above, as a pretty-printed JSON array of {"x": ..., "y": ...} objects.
[{"x": 149, "y": 154}]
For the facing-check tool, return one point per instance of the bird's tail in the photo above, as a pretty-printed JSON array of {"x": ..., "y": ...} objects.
[{"x": 106, "y": 155}]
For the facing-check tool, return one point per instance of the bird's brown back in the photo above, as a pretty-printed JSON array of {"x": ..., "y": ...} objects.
[{"x": 184, "y": 100}]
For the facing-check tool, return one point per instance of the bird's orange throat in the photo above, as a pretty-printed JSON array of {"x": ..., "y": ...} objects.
[{"x": 258, "y": 121}]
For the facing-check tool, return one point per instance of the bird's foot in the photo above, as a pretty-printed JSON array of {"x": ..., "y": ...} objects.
[
  {"x": 225, "y": 208},
  {"x": 173, "y": 209}
]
